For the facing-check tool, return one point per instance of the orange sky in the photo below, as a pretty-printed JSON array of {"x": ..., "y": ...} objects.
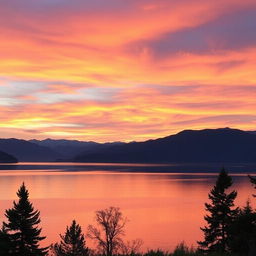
[{"x": 125, "y": 70}]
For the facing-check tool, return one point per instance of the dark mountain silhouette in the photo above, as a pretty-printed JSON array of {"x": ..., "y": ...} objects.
[
  {"x": 6, "y": 158},
  {"x": 209, "y": 145},
  {"x": 26, "y": 151},
  {"x": 252, "y": 132},
  {"x": 189, "y": 146},
  {"x": 71, "y": 148}
]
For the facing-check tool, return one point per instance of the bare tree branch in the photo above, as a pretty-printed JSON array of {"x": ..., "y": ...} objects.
[{"x": 110, "y": 229}]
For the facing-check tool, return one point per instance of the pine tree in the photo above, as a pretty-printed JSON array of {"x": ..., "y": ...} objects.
[
  {"x": 253, "y": 181},
  {"x": 22, "y": 227},
  {"x": 5, "y": 243},
  {"x": 243, "y": 231},
  {"x": 72, "y": 243},
  {"x": 221, "y": 214}
]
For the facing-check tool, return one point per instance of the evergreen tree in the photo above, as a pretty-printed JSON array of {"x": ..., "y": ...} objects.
[
  {"x": 221, "y": 214},
  {"x": 5, "y": 243},
  {"x": 22, "y": 227},
  {"x": 253, "y": 181},
  {"x": 72, "y": 243},
  {"x": 242, "y": 240}
]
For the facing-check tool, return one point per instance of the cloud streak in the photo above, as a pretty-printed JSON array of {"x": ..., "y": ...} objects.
[{"x": 125, "y": 70}]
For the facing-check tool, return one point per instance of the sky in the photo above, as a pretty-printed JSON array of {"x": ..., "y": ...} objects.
[{"x": 125, "y": 70}]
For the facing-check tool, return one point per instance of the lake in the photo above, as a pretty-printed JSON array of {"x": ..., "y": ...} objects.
[{"x": 164, "y": 203}]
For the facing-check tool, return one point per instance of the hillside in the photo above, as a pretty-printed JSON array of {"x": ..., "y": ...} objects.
[
  {"x": 70, "y": 148},
  {"x": 6, "y": 158},
  {"x": 209, "y": 145},
  {"x": 189, "y": 146},
  {"x": 26, "y": 151}
]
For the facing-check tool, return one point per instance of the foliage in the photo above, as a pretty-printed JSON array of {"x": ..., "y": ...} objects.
[
  {"x": 243, "y": 231},
  {"x": 253, "y": 181},
  {"x": 220, "y": 217},
  {"x": 157, "y": 252},
  {"x": 5, "y": 243},
  {"x": 183, "y": 249},
  {"x": 72, "y": 243},
  {"x": 22, "y": 227}
]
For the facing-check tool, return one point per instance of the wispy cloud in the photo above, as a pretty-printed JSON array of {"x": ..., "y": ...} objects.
[{"x": 125, "y": 70}]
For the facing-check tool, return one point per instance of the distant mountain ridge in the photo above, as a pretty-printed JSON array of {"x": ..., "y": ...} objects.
[
  {"x": 188, "y": 146},
  {"x": 26, "y": 151},
  {"x": 70, "y": 148},
  {"x": 66, "y": 148},
  {"x": 7, "y": 158}
]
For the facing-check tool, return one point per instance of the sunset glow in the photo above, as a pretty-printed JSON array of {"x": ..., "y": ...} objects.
[{"x": 125, "y": 70}]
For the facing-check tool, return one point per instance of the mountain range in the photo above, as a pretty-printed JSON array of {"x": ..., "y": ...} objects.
[
  {"x": 26, "y": 151},
  {"x": 189, "y": 146},
  {"x": 6, "y": 158},
  {"x": 69, "y": 149}
]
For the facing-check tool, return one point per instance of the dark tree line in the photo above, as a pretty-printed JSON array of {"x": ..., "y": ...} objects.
[
  {"x": 20, "y": 235},
  {"x": 230, "y": 230}
]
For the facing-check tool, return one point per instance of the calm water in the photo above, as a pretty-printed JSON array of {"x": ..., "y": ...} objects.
[{"x": 164, "y": 207}]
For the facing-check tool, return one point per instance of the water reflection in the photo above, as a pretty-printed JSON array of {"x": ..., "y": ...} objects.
[{"x": 163, "y": 208}]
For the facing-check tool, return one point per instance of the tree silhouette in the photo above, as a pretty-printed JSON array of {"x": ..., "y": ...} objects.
[
  {"x": 5, "y": 243},
  {"x": 72, "y": 243},
  {"x": 22, "y": 227},
  {"x": 221, "y": 214},
  {"x": 131, "y": 247},
  {"x": 243, "y": 231},
  {"x": 253, "y": 181},
  {"x": 111, "y": 223}
]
